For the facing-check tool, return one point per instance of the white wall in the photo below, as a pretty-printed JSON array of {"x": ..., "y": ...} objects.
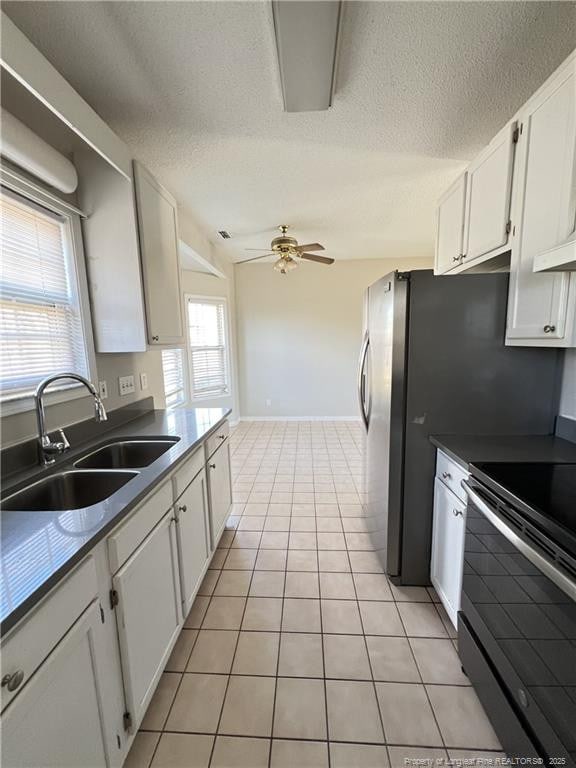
[
  {"x": 299, "y": 336},
  {"x": 568, "y": 401}
]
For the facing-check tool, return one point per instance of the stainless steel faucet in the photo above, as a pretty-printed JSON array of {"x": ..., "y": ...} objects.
[{"x": 48, "y": 448}]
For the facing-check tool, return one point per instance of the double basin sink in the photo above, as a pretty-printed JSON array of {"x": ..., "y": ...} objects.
[{"x": 96, "y": 477}]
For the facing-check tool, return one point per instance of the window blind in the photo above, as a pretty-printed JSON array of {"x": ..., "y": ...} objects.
[
  {"x": 208, "y": 354},
  {"x": 173, "y": 369},
  {"x": 40, "y": 322}
]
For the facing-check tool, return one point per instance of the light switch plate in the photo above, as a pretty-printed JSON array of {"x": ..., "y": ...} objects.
[
  {"x": 143, "y": 381},
  {"x": 126, "y": 385},
  {"x": 103, "y": 390}
]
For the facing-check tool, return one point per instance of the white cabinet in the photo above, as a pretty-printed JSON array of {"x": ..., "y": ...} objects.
[
  {"x": 193, "y": 538},
  {"x": 220, "y": 490},
  {"x": 148, "y": 614},
  {"x": 447, "y": 561},
  {"x": 158, "y": 228},
  {"x": 473, "y": 216},
  {"x": 55, "y": 722},
  {"x": 450, "y": 227},
  {"x": 542, "y": 306},
  {"x": 112, "y": 255},
  {"x": 488, "y": 197}
]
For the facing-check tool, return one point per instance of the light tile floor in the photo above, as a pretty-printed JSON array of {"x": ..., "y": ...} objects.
[{"x": 298, "y": 652}]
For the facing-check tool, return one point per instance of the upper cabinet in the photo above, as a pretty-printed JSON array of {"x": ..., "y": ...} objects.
[
  {"x": 450, "y": 226},
  {"x": 474, "y": 214},
  {"x": 112, "y": 255},
  {"x": 158, "y": 228},
  {"x": 542, "y": 306},
  {"x": 520, "y": 213},
  {"x": 487, "y": 223}
]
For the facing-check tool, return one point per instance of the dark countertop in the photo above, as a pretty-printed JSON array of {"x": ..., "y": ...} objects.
[
  {"x": 468, "y": 449},
  {"x": 39, "y": 548}
]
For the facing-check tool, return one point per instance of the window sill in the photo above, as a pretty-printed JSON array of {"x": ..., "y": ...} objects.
[{"x": 24, "y": 404}]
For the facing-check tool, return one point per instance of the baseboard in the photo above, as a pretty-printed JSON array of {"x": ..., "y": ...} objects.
[
  {"x": 566, "y": 428},
  {"x": 299, "y": 418}
]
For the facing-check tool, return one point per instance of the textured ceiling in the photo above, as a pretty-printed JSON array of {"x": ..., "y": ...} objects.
[{"x": 193, "y": 88}]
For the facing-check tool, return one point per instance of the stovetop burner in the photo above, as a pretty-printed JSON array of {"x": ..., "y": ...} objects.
[{"x": 548, "y": 491}]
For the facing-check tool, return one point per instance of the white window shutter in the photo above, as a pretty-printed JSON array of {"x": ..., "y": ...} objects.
[
  {"x": 208, "y": 351},
  {"x": 173, "y": 369},
  {"x": 40, "y": 321}
]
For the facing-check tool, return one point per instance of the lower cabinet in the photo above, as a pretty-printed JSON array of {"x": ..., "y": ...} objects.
[
  {"x": 55, "y": 722},
  {"x": 448, "y": 547},
  {"x": 148, "y": 614},
  {"x": 193, "y": 537},
  {"x": 220, "y": 490}
]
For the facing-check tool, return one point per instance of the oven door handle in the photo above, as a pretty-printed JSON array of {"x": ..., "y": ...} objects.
[{"x": 531, "y": 554}]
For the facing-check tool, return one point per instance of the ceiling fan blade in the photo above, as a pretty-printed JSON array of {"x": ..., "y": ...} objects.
[
  {"x": 255, "y": 258},
  {"x": 319, "y": 259},
  {"x": 310, "y": 247}
]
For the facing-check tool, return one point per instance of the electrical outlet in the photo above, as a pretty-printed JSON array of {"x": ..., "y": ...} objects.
[
  {"x": 268, "y": 403},
  {"x": 103, "y": 390},
  {"x": 143, "y": 381},
  {"x": 126, "y": 385}
]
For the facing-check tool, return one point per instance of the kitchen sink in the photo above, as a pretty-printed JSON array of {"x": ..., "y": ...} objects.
[
  {"x": 67, "y": 490},
  {"x": 127, "y": 454}
]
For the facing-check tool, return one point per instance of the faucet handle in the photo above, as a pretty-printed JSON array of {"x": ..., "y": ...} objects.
[
  {"x": 99, "y": 410},
  {"x": 63, "y": 441}
]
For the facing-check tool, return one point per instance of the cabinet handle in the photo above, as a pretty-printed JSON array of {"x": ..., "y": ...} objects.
[
  {"x": 221, "y": 437},
  {"x": 549, "y": 328},
  {"x": 155, "y": 338},
  {"x": 183, "y": 508},
  {"x": 446, "y": 476},
  {"x": 457, "y": 512},
  {"x": 212, "y": 466},
  {"x": 14, "y": 680}
]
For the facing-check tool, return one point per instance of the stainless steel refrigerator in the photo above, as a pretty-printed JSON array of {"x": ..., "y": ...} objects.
[{"x": 433, "y": 361}]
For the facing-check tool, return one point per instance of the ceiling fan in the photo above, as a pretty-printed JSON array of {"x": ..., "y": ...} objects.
[{"x": 287, "y": 249}]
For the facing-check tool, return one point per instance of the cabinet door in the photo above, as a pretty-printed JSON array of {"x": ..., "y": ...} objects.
[
  {"x": 193, "y": 538},
  {"x": 450, "y": 227},
  {"x": 544, "y": 208},
  {"x": 220, "y": 490},
  {"x": 148, "y": 614},
  {"x": 488, "y": 196},
  {"x": 448, "y": 548},
  {"x": 157, "y": 224},
  {"x": 55, "y": 721}
]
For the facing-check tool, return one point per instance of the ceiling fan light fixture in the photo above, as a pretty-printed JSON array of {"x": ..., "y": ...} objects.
[{"x": 285, "y": 265}]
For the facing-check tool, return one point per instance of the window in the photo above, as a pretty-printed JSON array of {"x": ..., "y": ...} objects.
[
  {"x": 41, "y": 324},
  {"x": 209, "y": 375},
  {"x": 173, "y": 368}
]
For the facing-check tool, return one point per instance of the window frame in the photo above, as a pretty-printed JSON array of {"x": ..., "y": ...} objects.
[
  {"x": 198, "y": 298},
  {"x": 185, "y": 378},
  {"x": 14, "y": 185}
]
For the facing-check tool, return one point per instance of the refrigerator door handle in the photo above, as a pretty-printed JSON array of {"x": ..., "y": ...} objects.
[{"x": 362, "y": 379}]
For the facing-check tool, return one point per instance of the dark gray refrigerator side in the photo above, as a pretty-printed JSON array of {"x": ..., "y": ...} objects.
[{"x": 454, "y": 376}]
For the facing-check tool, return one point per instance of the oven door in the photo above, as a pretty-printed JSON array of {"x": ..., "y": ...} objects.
[{"x": 517, "y": 630}]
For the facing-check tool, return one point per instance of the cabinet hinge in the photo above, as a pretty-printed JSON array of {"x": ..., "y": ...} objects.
[
  {"x": 114, "y": 599},
  {"x": 102, "y": 617},
  {"x": 127, "y": 721},
  {"x": 516, "y": 133},
  {"x": 509, "y": 226}
]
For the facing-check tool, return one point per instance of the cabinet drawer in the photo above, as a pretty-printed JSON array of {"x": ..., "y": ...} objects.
[
  {"x": 217, "y": 438},
  {"x": 31, "y": 642},
  {"x": 451, "y": 474},
  {"x": 122, "y": 543},
  {"x": 184, "y": 476}
]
